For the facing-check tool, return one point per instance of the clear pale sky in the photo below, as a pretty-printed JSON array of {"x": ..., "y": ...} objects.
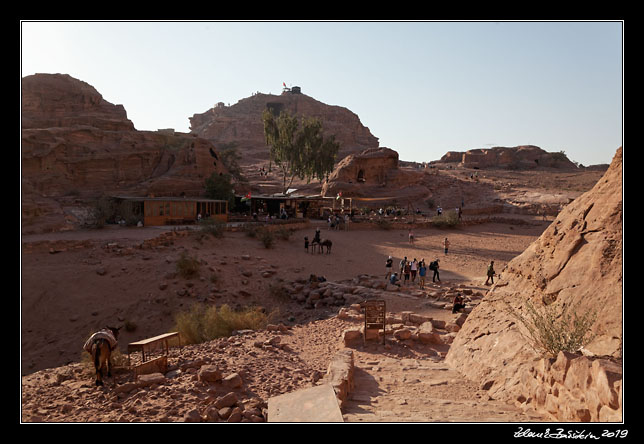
[{"x": 422, "y": 88}]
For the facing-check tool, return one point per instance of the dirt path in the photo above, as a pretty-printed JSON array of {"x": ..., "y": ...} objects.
[{"x": 420, "y": 387}]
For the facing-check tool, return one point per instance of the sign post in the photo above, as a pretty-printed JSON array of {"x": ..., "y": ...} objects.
[{"x": 374, "y": 317}]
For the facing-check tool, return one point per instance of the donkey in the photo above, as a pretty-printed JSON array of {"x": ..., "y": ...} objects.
[
  {"x": 100, "y": 346},
  {"x": 326, "y": 243}
]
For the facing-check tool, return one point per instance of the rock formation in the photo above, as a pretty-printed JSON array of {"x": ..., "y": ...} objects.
[
  {"x": 376, "y": 175},
  {"x": 75, "y": 144},
  {"x": 241, "y": 126},
  {"x": 517, "y": 158},
  {"x": 577, "y": 260}
]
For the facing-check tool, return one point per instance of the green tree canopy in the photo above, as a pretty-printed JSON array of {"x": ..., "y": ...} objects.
[
  {"x": 299, "y": 150},
  {"x": 219, "y": 186}
]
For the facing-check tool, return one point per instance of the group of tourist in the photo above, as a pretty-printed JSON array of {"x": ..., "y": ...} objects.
[{"x": 409, "y": 270}]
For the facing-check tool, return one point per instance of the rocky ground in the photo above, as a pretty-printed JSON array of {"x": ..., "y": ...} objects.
[{"x": 80, "y": 282}]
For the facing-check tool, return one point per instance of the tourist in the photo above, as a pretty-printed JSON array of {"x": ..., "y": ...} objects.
[
  {"x": 422, "y": 270},
  {"x": 414, "y": 270},
  {"x": 434, "y": 267},
  {"x": 347, "y": 219},
  {"x": 306, "y": 243},
  {"x": 446, "y": 244},
  {"x": 411, "y": 236},
  {"x": 407, "y": 272},
  {"x": 394, "y": 280},
  {"x": 388, "y": 265},
  {"x": 490, "y": 273},
  {"x": 402, "y": 264},
  {"x": 459, "y": 303}
]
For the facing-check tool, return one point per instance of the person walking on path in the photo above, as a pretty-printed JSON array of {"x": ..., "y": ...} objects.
[
  {"x": 411, "y": 236},
  {"x": 490, "y": 273},
  {"x": 407, "y": 272},
  {"x": 388, "y": 265},
  {"x": 422, "y": 271},
  {"x": 446, "y": 244},
  {"x": 402, "y": 265},
  {"x": 414, "y": 270},
  {"x": 434, "y": 267}
]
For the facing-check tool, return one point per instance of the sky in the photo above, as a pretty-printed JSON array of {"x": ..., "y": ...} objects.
[{"x": 423, "y": 88}]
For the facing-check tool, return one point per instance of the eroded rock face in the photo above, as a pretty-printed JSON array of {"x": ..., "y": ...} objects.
[
  {"x": 59, "y": 100},
  {"x": 77, "y": 145},
  {"x": 363, "y": 173},
  {"x": 519, "y": 157},
  {"x": 241, "y": 125},
  {"x": 577, "y": 260}
]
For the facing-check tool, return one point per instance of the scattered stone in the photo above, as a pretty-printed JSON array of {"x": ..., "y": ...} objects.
[{"x": 209, "y": 373}]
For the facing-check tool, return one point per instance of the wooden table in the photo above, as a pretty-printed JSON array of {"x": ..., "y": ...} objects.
[{"x": 145, "y": 346}]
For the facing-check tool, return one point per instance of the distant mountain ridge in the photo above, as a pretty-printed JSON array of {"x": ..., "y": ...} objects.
[{"x": 515, "y": 158}]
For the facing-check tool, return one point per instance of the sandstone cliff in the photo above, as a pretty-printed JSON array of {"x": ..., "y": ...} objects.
[
  {"x": 516, "y": 158},
  {"x": 578, "y": 259},
  {"x": 77, "y": 146},
  {"x": 241, "y": 126}
]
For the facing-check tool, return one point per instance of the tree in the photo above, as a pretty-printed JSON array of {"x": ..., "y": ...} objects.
[
  {"x": 299, "y": 150},
  {"x": 219, "y": 186}
]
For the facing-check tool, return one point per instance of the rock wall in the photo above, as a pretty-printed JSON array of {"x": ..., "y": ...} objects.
[
  {"x": 77, "y": 146},
  {"x": 572, "y": 387},
  {"x": 577, "y": 260}
]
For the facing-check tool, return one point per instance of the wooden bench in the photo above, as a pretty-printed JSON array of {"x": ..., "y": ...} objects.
[{"x": 160, "y": 363}]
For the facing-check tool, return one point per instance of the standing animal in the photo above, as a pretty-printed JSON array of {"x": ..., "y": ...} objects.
[
  {"x": 100, "y": 347},
  {"x": 326, "y": 243}
]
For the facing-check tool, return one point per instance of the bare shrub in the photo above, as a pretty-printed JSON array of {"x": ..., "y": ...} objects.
[{"x": 555, "y": 328}]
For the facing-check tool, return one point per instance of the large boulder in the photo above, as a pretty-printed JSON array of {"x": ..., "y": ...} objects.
[{"x": 577, "y": 261}]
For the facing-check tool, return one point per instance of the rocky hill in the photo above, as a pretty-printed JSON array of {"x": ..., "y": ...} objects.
[
  {"x": 240, "y": 125},
  {"x": 77, "y": 146},
  {"x": 523, "y": 157},
  {"x": 577, "y": 261}
]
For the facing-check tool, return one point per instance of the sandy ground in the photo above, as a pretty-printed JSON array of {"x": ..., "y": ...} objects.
[
  {"x": 68, "y": 294},
  {"x": 83, "y": 281}
]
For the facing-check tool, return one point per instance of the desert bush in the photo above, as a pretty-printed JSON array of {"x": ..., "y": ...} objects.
[
  {"x": 447, "y": 219},
  {"x": 250, "y": 230},
  {"x": 187, "y": 266},
  {"x": 266, "y": 237},
  {"x": 212, "y": 227},
  {"x": 555, "y": 328},
  {"x": 279, "y": 292},
  {"x": 203, "y": 323},
  {"x": 283, "y": 233}
]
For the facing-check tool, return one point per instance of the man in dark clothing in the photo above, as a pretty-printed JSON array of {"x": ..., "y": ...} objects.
[
  {"x": 490, "y": 272},
  {"x": 459, "y": 303},
  {"x": 434, "y": 267}
]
